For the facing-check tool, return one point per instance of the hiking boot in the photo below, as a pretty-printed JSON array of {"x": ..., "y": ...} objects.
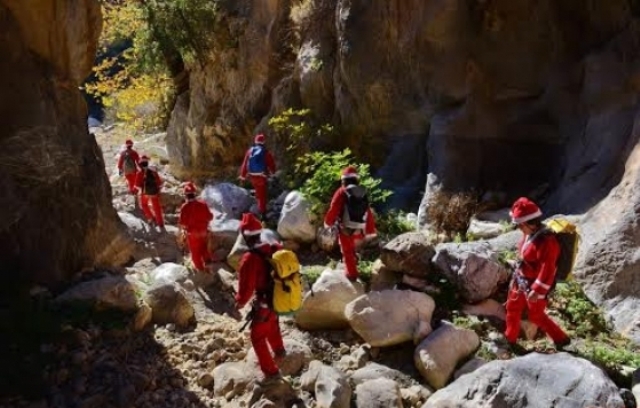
[{"x": 517, "y": 349}]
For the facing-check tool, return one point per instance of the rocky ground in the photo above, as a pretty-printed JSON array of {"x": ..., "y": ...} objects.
[{"x": 158, "y": 334}]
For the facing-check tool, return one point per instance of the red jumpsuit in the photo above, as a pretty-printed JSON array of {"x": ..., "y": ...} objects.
[
  {"x": 259, "y": 180},
  {"x": 195, "y": 216},
  {"x": 146, "y": 199},
  {"x": 131, "y": 177},
  {"x": 347, "y": 237},
  {"x": 539, "y": 269},
  {"x": 265, "y": 328}
]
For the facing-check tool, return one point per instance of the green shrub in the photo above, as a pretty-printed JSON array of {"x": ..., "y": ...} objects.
[
  {"x": 365, "y": 270},
  {"x": 577, "y": 310},
  {"x": 393, "y": 223},
  {"x": 321, "y": 174}
]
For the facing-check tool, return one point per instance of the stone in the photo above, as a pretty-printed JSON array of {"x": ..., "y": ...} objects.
[
  {"x": 232, "y": 378},
  {"x": 329, "y": 386},
  {"x": 111, "y": 292},
  {"x": 240, "y": 247},
  {"x": 635, "y": 384},
  {"x": 406, "y": 316},
  {"x": 379, "y": 393},
  {"x": 438, "y": 355},
  {"x": 382, "y": 278},
  {"x": 150, "y": 243},
  {"x": 374, "y": 370},
  {"x": 476, "y": 274},
  {"x": 323, "y": 308},
  {"x": 469, "y": 367},
  {"x": 170, "y": 305},
  {"x": 142, "y": 318},
  {"x": 298, "y": 356},
  {"x": 535, "y": 381},
  {"x": 296, "y": 220},
  {"x": 409, "y": 253},
  {"x": 227, "y": 199}
]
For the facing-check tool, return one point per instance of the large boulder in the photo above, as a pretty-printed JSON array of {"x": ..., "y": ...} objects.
[
  {"x": 438, "y": 355},
  {"x": 230, "y": 379},
  {"x": 610, "y": 277},
  {"x": 323, "y": 307},
  {"x": 373, "y": 371},
  {"x": 223, "y": 234},
  {"x": 111, "y": 292},
  {"x": 477, "y": 274},
  {"x": 296, "y": 219},
  {"x": 329, "y": 386},
  {"x": 383, "y": 278},
  {"x": 240, "y": 246},
  {"x": 409, "y": 253},
  {"x": 406, "y": 316},
  {"x": 169, "y": 304},
  {"x": 535, "y": 381},
  {"x": 227, "y": 199},
  {"x": 56, "y": 217}
]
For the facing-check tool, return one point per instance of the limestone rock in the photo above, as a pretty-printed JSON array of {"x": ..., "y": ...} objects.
[
  {"x": 379, "y": 393},
  {"x": 409, "y": 253},
  {"x": 324, "y": 307},
  {"x": 533, "y": 380},
  {"x": 406, "y": 316},
  {"x": 111, "y": 292},
  {"x": 296, "y": 222},
  {"x": 329, "y": 386},
  {"x": 438, "y": 355},
  {"x": 169, "y": 305}
]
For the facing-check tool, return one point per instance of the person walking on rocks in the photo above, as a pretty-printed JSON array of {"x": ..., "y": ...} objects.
[
  {"x": 258, "y": 165},
  {"x": 149, "y": 184},
  {"x": 128, "y": 165},
  {"x": 534, "y": 274},
  {"x": 254, "y": 279},
  {"x": 350, "y": 210},
  {"x": 194, "y": 219}
]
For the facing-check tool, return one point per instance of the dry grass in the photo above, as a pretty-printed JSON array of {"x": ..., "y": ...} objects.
[{"x": 450, "y": 213}]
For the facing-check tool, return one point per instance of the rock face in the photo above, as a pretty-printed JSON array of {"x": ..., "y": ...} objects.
[
  {"x": 610, "y": 278},
  {"x": 56, "y": 216},
  {"x": 534, "y": 381},
  {"x": 409, "y": 253},
  {"x": 417, "y": 86}
]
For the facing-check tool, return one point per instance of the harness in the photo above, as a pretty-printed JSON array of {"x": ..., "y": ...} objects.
[{"x": 522, "y": 282}]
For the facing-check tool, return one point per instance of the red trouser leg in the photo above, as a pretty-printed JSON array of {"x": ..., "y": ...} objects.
[
  {"x": 259, "y": 184},
  {"x": 146, "y": 209},
  {"x": 538, "y": 317},
  {"x": 265, "y": 329},
  {"x": 516, "y": 303},
  {"x": 348, "y": 248},
  {"x": 198, "y": 248},
  {"x": 131, "y": 182},
  {"x": 157, "y": 210}
]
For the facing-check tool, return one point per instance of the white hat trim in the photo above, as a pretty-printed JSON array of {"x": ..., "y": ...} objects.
[
  {"x": 350, "y": 175},
  {"x": 526, "y": 217},
  {"x": 254, "y": 232}
]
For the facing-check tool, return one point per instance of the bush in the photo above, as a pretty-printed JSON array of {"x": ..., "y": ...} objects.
[
  {"x": 321, "y": 174},
  {"x": 393, "y": 223},
  {"x": 451, "y": 213}
]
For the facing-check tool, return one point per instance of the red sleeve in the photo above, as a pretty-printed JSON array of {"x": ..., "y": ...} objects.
[
  {"x": 120, "y": 161},
  {"x": 271, "y": 164},
  {"x": 335, "y": 208},
  {"x": 243, "y": 168},
  {"x": 209, "y": 213},
  {"x": 247, "y": 278},
  {"x": 370, "y": 227},
  {"x": 548, "y": 253}
]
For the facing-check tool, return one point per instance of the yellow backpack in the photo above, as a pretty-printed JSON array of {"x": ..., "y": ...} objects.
[{"x": 287, "y": 284}]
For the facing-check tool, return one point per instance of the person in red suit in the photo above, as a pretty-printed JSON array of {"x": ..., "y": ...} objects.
[
  {"x": 258, "y": 165},
  {"x": 254, "y": 279},
  {"x": 350, "y": 231},
  {"x": 194, "y": 219},
  {"x": 128, "y": 165},
  {"x": 149, "y": 184},
  {"x": 534, "y": 275}
]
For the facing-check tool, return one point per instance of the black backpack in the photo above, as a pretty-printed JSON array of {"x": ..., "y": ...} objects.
[
  {"x": 150, "y": 183},
  {"x": 129, "y": 165},
  {"x": 356, "y": 206}
]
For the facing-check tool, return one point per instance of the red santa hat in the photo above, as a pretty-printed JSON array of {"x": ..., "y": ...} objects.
[
  {"x": 524, "y": 210},
  {"x": 189, "y": 188},
  {"x": 128, "y": 142},
  {"x": 259, "y": 139},
  {"x": 349, "y": 172},
  {"x": 250, "y": 225}
]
